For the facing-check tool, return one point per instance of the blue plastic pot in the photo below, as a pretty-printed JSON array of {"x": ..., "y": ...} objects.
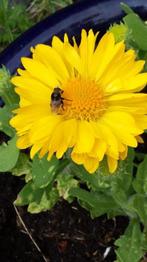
[{"x": 96, "y": 14}]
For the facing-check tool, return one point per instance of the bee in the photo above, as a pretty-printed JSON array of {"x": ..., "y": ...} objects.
[{"x": 57, "y": 99}]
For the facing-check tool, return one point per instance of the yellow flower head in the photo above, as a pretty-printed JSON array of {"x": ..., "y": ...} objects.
[{"x": 81, "y": 97}]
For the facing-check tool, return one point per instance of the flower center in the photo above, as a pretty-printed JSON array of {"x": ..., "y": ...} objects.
[{"x": 82, "y": 99}]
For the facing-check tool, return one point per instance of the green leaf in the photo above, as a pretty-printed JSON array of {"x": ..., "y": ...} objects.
[
  {"x": 97, "y": 203},
  {"x": 41, "y": 193},
  {"x": 119, "y": 194},
  {"x": 9, "y": 154},
  {"x": 121, "y": 178},
  {"x": 48, "y": 200},
  {"x": 121, "y": 185},
  {"x": 64, "y": 183},
  {"x": 126, "y": 8},
  {"x": 80, "y": 172},
  {"x": 140, "y": 181},
  {"x": 128, "y": 162},
  {"x": 119, "y": 31},
  {"x": 138, "y": 30},
  {"x": 38, "y": 200},
  {"x": 28, "y": 194},
  {"x": 7, "y": 92},
  {"x": 131, "y": 244},
  {"x": 124, "y": 167},
  {"x": 138, "y": 204},
  {"x": 44, "y": 171},
  {"x": 108, "y": 193},
  {"x": 5, "y": 116},
  {"x": 23, "y": 166}
]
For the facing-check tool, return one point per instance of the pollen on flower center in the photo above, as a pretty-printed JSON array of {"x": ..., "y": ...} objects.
[{"x": 83, "y": 100}]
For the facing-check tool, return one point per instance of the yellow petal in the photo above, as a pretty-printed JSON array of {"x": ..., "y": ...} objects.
[
  {"x": 59, "y": 46},
  {"x": 72, "y": 57},
  {"x": 62, "y": 137},
  {"x": 90, "y": 163},
  {"x": 35, "y": 148},
  {"x": 85, "y": 137},
  {"x": 23, "y": 142},
  {"x": 135, "y": 83},
  {"x": 129, "y": 102},
  {"x": 141, "y": 121},
  {"x": 102, "y": 55},
  {"x": 140, "y": 139},
  {"x": 24, "y": 102},
  {"x": 23, "y": 73},
  {"x": 44, "y": 149},
  {"x": 123, "y": 126},
  {"x": 99, "y": 149},
  {"x": 51, "y": 59},
  {"x": 112, "y": 164},
  {"x": 105, "y": 133},
  {"x": 86, "y": 50},
  {"x": 40, "y": 72},
  {"x": 26, "y": 116},
  {"x": 44, "y": 127},
  {"x": 32, "y": 90},
  {"x": 123, "y": 154}
]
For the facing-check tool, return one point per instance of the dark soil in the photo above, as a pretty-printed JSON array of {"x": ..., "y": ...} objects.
[{"x": 65, "y": 234}]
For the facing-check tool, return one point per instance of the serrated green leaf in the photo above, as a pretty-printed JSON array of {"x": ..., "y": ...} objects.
[
  {"x": 97, "y": 203},
  {"x": 129, "y": 161},
  {"x": 119, "y": 31},
  {"x": 49, "y": 198},
  {"x": 131, "y": 244},
  {"x": 38, "y": 200},
  {"x": 121, "y": 178},
  {"x": 5, "y": 115},
  {"x": 119, "y": 195},
  {"x": 29, "y": 194},
  {"x": 125, "y": 168},
  {"x": 140, "y": 181},
  {"x": 64, "y": 183},
  {"x": 28, "y": 177},
  {"x": 121, "y": 184},
  {"x": 138, "y": 204},
  {"x": 117, "y": 184},
  {"x": 138, "y": 30},
  {"x": 126, "y": 8},
  {"x": 23, "y": 166},
  {"x": 9, "y": 154},
  {"x": 80, "y": 172},
  {"x": 7, "y": 92},
  {"x": 44, "y": 171}
]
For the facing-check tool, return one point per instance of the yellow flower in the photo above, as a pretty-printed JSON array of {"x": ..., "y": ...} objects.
[{"x": 95, "y": 110}]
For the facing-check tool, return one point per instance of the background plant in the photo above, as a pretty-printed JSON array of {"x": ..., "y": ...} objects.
[{"x": 17, "y": 16}]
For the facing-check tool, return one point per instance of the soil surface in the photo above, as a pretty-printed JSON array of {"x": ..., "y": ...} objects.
[{"x": 65, "y": 234}]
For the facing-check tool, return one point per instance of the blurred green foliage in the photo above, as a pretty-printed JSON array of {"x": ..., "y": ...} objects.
[{"x": 18, "y": 16}]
